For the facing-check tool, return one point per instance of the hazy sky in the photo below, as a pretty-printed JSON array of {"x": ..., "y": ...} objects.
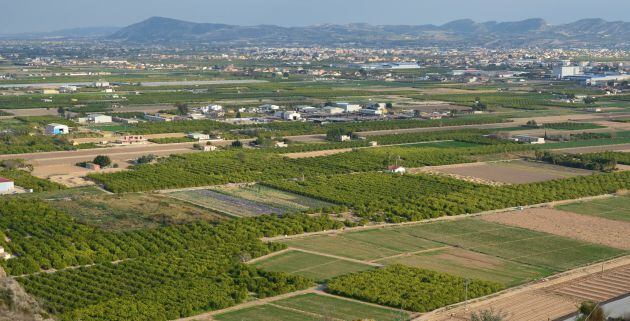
[{"x": 45, "y": 15}]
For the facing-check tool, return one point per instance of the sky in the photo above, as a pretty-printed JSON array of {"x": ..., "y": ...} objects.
[{"x": 19, "y": 16}]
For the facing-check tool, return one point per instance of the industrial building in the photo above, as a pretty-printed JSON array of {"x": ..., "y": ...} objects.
[{"x": 95, "y": 119}]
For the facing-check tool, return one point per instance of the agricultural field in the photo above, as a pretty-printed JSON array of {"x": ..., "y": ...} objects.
[
  {"x": 465, "y": 263},
  {"x": 317, "y": 267},
  {"x": 288, "y": 202},
  {"x": 313, "y": 306},
  {"x": 248, "y": 200},
  {"x": 393, "y": 246},
  {"x": 513, "y": 172},
  {"x": 467, "y": 248},
  {"x": 132, "y": 211},
  {"x": 396, "y": 198},
  {"x": 543, "y": 250},
  {"x": 410, "y": 288},
  {"x": 581, "y": 227},
  {"x": 616, "y": 208},
  {"x": 369, "y": 245}
]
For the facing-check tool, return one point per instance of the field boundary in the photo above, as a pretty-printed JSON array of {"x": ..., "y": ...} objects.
[{"x": 433, "y": 220}]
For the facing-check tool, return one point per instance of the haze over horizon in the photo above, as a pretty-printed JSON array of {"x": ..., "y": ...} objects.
[{"x": 38, "y": 16}]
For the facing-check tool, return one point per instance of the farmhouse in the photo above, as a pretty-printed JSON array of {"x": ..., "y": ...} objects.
[
  {"x": 6, "y": 185},
  {"x": 56, "y": 129},
  {"x": 198, "y": 136}
]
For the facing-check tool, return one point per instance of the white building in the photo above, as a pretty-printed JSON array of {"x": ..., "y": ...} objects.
[
  {"x": 99, "y": 118},
  {"x": 528, "y": 139},
  {"x": 307, "y": 109},
  {"x": 6, "y": 185},
  {"x": 349, "y": 108},
  {"x": 211, "y": 108},
  {"x": 562, "y": 72},
  {"x": 56, "y": 129},
  {"x": 332, "y": 110},
  {"x": 67, "y": 89},
  {"x": 268, "y": 107},
  {"x": 198, "y": 136},
  {"x": 289, "y": 115},
  {"x": 372, "y": 112},
  {"x": 100, "y": 84},
  {"x": 395, "y": 169}
]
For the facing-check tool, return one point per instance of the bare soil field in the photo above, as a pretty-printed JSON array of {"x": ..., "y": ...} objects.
[
  {"x": 510, "y": 172},
  {"x": 318, "y": 153},
  {"x": 32, "y": 112},
  {"x": 597, "y": 149},
  {"x": 582, "y": 227}
]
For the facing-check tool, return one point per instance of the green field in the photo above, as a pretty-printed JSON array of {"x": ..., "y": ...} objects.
[
  {"x": 471, "y": 264},
  {"x": 616, "y": 208},
  {"x": 317, "y": 267},
  {"x": 313, "y": 306},
  {"x": 364, "y": 245},
  {"x": 515, "y": 244},
  {"x": 467, "y": 248}
]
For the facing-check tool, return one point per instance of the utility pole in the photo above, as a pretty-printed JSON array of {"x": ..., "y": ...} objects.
[{"x": 466, "y": 294}]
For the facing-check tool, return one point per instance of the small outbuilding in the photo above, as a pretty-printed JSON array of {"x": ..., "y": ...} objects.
[
  {"x": 6, "y": 185},
  {"x": 56, "y": 129}
]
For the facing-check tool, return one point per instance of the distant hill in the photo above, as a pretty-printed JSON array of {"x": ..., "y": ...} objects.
[
  {"x": 526, "y": 33},
  {"x": 460, "y": 33},
  {"x": 74, "y": 33}
]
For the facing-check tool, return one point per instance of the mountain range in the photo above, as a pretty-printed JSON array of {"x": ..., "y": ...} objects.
[{"x": 585, "y": 33}]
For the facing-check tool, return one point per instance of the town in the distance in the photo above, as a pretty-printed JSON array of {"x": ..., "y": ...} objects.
[{"x": 175, "y": 170}]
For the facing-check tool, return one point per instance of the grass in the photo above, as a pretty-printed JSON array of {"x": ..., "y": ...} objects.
[
  {"x": 364, "y": 245},
  {"x": 616, "y": 208},
  {"x": 515, "y": 244},
  {"x": 266, "y": 313},
  {"x": 313, "y": 306},
  {"x": 467, "y": 248},
  {"x": 317, "y": 267},
  {"x": 466, "y": 263},
  {"x": 65, "y": 193},
  {"x": 333, "y": 307},
  {"x": 132, "y": 211}
]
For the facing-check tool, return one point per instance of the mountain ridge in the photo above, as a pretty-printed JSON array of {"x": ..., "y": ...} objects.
[{"x": 463, "y": 32}]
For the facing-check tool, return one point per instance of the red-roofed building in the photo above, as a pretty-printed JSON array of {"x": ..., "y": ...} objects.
[{"x": 6, "y": 185}]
